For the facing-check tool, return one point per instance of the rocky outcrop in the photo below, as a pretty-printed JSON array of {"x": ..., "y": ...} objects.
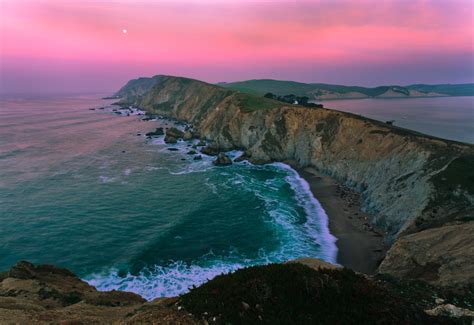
[
  {"x": 222, "y": 160},
  {"x": 158, "y": 132},
  {"x": 409, "y": 182},
  {"x": 172, "y": 135},
  {"x": 187, "y": 135},
  {"x": 450, "y": 311},
  {"x": 45, "y": 293},
  {"x": 443, "y": 255},
  {"x": 210, "y": 150}
]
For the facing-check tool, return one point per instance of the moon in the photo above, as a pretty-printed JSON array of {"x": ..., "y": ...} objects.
[{"x": 124, "y": 31}]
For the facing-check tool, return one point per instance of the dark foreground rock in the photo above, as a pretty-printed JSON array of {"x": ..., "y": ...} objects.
[
  {"x": 306, "y": 291},
  {"x": 222, "y": 160},
  {"x": 297, "y": 294},
  {"x": 47, "y": 294}
]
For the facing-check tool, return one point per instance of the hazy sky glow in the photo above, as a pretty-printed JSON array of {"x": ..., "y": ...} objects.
[{"x": 66, "y": 45}]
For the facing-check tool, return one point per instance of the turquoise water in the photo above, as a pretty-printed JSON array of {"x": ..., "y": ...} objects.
[
  {"x": 445, "y": 117},
  {"x": 82, "y": 190}
]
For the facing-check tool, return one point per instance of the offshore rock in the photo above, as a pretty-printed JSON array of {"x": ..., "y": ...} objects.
[
  {"x": 242, "y": 157},
  {"x": 222, "y": 160},
  {"x": 210, "y": 151},
  {"x": 170, "y": 140},
  {"x": 175, "y": 133},
  {"x": 157, "y": 132},
  {"x": 187, "y": 136}
]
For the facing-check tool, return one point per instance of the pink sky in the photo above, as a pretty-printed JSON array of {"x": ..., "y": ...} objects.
[{"x": 70, "y": 45}]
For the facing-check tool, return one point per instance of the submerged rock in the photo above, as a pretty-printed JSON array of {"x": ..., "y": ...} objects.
[
  {"x": 191, "y": 152},
  {"x": 222, "y": 160},
  {"x": 242, "y": 157},
  {"x": 173, "y": 149},
  {"x": 172, "y": 135},
  {"x": 170, "y": 139},
  {"x": 175, "y": 133},
  {"x": 210, "y": 151},
  {"x": 187, "y": 136},
  {"x": 157, "y": 132},
  {"x": 198, "y": 157}
]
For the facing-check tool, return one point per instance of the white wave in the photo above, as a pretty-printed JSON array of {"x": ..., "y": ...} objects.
[
  {"x": 163, "y": 281},
  {"x": 178, "y": 277},
  {"x": 106, "y": 179},
  {"x": 158, "y": 140},
  {"x": 312, "y": 238},
  {"x": 317, "y": 224}
]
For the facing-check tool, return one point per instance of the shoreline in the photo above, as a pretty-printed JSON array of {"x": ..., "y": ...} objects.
[{"x": 360, "y": 247}]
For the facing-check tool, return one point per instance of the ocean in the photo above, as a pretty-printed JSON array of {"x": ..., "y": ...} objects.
[
  {"x": 85, "y": 190},
  {"x": 445, "y": 117}
]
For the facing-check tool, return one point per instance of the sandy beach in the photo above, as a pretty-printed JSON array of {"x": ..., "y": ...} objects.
[{"x": 360, "y": 247}]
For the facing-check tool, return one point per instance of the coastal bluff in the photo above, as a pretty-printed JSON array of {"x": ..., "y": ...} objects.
[
  {"x": 419, "y": 189},
  {"x": 305, "y": 291}
]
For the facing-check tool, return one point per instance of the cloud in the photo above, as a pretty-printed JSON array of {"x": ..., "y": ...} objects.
[{"x": 253, "y": 35}]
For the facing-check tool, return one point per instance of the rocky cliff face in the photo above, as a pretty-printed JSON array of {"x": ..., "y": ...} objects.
[{"x": 410, "y": 182}]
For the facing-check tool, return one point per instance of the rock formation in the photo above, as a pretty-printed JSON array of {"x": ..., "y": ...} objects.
[{"x": 222, "y": 160}]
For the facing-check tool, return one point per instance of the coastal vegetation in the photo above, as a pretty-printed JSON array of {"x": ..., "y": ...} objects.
[{"x": 292, "y": 99}]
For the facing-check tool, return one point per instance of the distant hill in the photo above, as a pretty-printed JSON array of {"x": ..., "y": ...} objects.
[{"x": 327, "y": 91}]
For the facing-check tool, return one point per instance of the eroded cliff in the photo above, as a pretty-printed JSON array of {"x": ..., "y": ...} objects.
[{"x": 410, "y": 182}]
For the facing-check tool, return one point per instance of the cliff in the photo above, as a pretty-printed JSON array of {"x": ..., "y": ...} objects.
[{"x": 413, "y": 185}]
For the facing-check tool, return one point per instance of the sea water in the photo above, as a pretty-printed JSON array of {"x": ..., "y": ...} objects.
[
  {"x": 445, "y": 117},
  {"x": 85, "y": 190}
]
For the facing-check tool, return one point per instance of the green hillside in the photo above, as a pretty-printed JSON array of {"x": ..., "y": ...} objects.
[{"x": 280, "y": 88}]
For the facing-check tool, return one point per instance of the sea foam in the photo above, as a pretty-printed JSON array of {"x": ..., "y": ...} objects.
[{"x": 310, "y": 239}]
